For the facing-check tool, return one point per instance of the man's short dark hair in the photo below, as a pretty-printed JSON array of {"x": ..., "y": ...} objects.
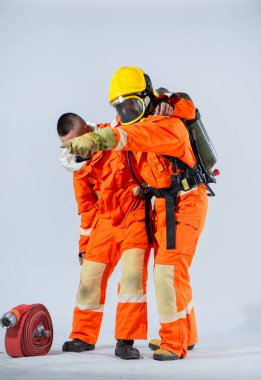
[{"x": 66, "y": 123}]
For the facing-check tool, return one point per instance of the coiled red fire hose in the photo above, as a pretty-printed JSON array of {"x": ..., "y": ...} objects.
[{"x": 33, "y": 333}]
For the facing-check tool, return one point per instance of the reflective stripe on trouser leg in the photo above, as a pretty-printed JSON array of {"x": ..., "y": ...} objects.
[
  {"x": 172, "y": 294},
  {"x": 192, "y": 328},
  {"x": 190, "y": 215},
  {"x": 131, "y": 316},
  {"x": 90, "y": 299}
]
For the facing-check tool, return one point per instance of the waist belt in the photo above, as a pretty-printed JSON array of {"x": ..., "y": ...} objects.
[
  {"x": 33, "y": 333},
  {"x": 181, "y": 182}
]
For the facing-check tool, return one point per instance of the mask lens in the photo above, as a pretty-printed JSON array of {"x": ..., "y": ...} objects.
[{"x": 129, "y": 109}]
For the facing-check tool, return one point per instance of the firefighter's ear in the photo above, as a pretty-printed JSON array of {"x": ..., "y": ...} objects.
[{"x": 88, "y": 128}]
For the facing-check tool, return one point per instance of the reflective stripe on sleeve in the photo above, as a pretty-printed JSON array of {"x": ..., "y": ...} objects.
[
  {"x": 123, "y": 139},
  {"x": 85, "y": 232}
]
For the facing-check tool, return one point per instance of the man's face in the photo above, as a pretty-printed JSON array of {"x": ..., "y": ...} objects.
[{"x": 80, "y": 128}]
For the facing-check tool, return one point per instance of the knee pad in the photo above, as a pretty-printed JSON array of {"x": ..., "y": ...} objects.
[
  {"x": 89, "y": 292},
  {"x": 131, "y": 283}
]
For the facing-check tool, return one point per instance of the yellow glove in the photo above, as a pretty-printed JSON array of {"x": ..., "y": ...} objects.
[{"x": 103, "y": 139}]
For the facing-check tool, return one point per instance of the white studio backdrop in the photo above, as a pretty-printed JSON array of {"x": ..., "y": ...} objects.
[{"x": 59, "y": 56}]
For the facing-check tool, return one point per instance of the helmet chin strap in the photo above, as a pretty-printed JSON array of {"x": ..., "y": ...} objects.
[
  {"x": 147, "y": 101},
  {"x": 148, "y": 105}
]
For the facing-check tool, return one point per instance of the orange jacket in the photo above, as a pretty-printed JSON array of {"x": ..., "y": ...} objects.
[
  {"x": 87, "y": 202},
  {"x": 104, "y": 188},
  {"x": 156, "y": 136}
]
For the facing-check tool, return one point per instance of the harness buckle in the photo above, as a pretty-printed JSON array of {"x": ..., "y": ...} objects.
[{"x": 185, "y": 184}]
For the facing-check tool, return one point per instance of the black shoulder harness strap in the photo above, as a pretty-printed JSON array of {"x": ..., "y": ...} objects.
[
  {"x": 179, "y": 182},
  {"x": 184, "y": 181}
]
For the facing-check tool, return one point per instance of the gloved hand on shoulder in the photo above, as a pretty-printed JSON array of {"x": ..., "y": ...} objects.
[{"x": 163, "y": 108}]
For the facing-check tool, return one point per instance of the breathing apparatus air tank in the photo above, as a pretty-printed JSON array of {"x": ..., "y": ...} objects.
[
  {"x": 206, "y": 150},
  {"x": 205, "y": 147}
]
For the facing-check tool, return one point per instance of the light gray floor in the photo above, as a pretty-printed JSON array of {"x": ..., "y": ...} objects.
[{"x": 226, "y": 356}]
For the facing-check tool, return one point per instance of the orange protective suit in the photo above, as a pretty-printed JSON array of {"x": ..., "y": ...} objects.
[
  {"x": 112, "y": 227},
  {"x": 104, "y": 187},
  {"x": 157, "y": 136}
]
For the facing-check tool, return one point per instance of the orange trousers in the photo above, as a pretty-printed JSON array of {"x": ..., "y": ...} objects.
[
  {"x": 107, "y": 245},
  {"x": 171, "y": 272}
]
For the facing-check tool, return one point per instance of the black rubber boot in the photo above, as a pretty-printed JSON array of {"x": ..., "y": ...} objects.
[
  {"x": 125, "y": 350},
  {"x": 77, "y": 345}
]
